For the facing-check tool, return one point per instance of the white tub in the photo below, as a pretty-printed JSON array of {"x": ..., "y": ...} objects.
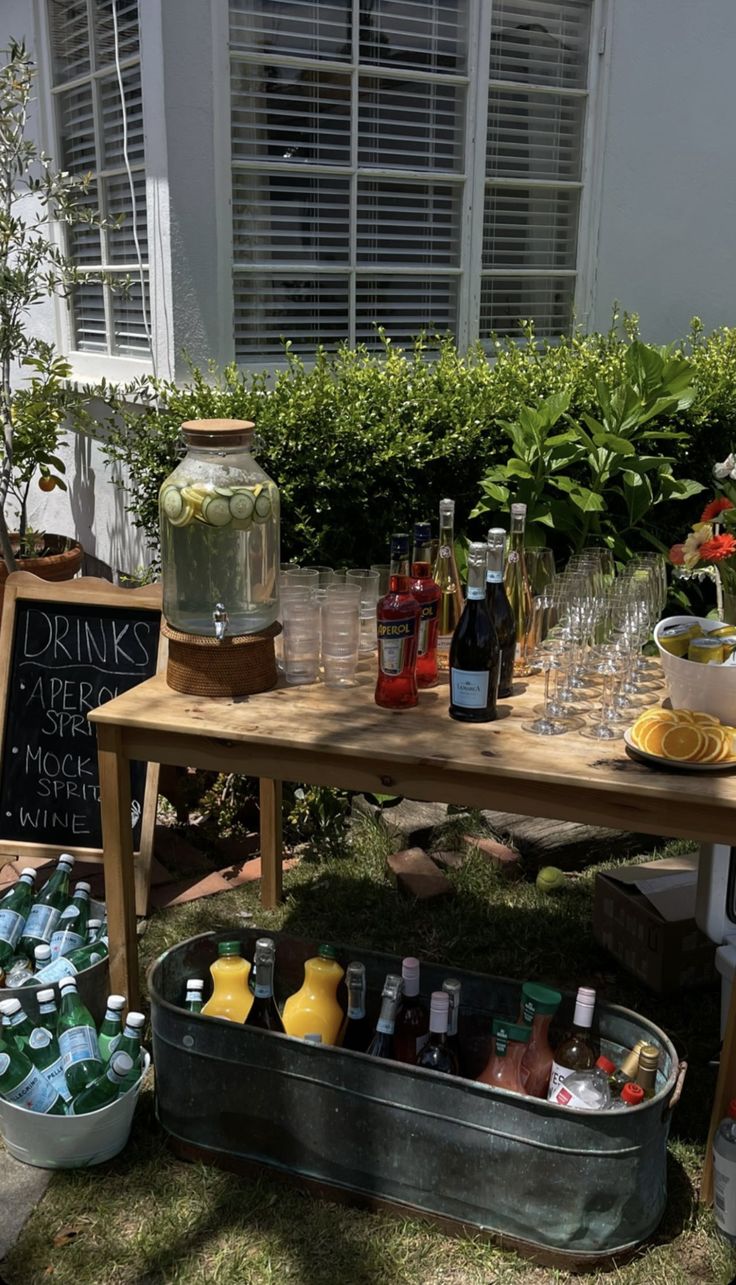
[{"x": 709, "y": 688}]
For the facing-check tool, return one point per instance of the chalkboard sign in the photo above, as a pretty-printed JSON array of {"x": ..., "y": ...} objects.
[{"x": 65, "y": 649}]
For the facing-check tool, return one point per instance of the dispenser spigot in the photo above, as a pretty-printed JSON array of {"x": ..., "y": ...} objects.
[{"x": 220, "y": 618}]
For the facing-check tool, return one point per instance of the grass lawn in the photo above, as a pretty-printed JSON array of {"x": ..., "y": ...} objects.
[{"x": 148, "y": 1218}]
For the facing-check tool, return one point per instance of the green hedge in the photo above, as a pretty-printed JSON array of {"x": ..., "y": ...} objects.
[{"x": 365, "y": 442}]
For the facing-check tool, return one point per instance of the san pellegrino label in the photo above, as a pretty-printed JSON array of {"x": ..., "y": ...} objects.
[
  {"x": 78, "y": 1044},
  {"x": 11, "y": 927},
  {"x": 41, "y": 922},
  {"x": 32, "y": 1092},
  {"x": 58, "y": 968}
]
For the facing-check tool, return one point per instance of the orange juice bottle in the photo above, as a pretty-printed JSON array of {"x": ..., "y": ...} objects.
[
  {"x": 314, "y": 1008},
  {"x": 231, "y": 997}
]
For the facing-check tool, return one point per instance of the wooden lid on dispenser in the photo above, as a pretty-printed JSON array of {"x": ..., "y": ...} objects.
[{"x": 218, "y": 432}]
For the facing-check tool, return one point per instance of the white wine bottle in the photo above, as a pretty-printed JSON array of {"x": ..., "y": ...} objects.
[
  {"x": 445, "y": 574},
  {"x": 518, "y": 591}
]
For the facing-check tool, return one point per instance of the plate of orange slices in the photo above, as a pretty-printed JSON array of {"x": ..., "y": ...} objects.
[{"x": 682, "y": 738}]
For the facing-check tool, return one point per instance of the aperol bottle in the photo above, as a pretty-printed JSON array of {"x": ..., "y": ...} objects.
[
  {"x": 427, "y": 593},
  {"x": 398, "y": 615}
]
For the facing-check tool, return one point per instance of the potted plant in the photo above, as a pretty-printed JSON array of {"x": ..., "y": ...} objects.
[
  {"x": 710, "y": 546},
  {"x": 36, "y": 403}
]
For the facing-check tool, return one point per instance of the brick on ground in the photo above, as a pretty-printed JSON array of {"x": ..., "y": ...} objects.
[{"x": 417, "y": 875}]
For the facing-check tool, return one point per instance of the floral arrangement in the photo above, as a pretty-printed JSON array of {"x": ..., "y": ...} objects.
[{"x": 711, "y": 544}]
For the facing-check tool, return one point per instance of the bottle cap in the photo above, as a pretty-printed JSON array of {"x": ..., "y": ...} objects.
[
  {"x": 265, "y": 948},
  {"x": 66, "y": 859},
  {"x": 447, "y": 506},
  {"x": 453, "y": 986},
  {"x": 355, "y": 973},
  {"x": 67, "y": 983},
  {"x": 633, "y": 1095},
  {"x": 42, "y": 952},
  {"x": 195, "y": 984},
  {"x": 606, "y": 1065},
  {"x": 649, "y": 1058},
  {"x": 121, "y": 1064},
  {"x": 329, "y": 952},
  {"x": 518, "y": 510},
  {"x": 511, "y": 1030},
  {"x": 136, "y": 1020},
  {"x": 422, "y": 532},
  {"x": 393, "y": 986},
  {"x": 439, "y": 1010},
  {"x": 45, "y": 996},
  {"x": 584, "y": 1006},
  {"x": 537, "y": 999},
  {"x": 28, "y": 871},
  {"x": 82, "y": 887},
  {"x": 116, "y": 1002},
  {"x": 410, "y": 975},
  {"x": 400, "y": 544},
  {"x": 9, "y": 1006},
  {"x": 228, "y": 948}
]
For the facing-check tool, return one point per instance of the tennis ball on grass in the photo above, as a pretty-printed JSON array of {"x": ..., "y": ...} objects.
[{"x": 550, "y": 879}]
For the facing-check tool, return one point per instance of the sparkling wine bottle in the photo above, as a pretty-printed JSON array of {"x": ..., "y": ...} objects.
[
  {"x": 499, "y": 608},
  {"x": 264, "y": 1012},
  {"x": 397, "y": 617},
  {"x": 445, "y": 574},
  {"x": 518, "y": 591},
  {"x": 453, "y": 988},
  {"x": 474, "y": 655},
  {"x": 436, "y": 1055},
  {"x": 427, "y": 593},
  {"x": 382, "y": 1044},
  {"x": 357, "y": 1030}
]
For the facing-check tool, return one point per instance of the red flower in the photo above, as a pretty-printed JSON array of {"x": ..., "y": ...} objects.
[
  {"x": 715, "y": 550},
  {"x": 677, "y": 556},
  {"x": 715, "y": 507}
]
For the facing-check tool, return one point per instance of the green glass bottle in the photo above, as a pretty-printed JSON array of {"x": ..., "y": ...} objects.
[
  {"x": 17, "y": 1025},
  {"x": 111, "y": 1027},
  {"x": 43, "y": 1046},
  {"x": 70, "y": 965},
  {"x": 193, "y": 997},
  {"x": 23, "y": 1084},
  {"x": 106, "y": 1088},
  {"x": 14, "y": 909},
  {"x": 94, "y": 929},
  {"x": 80, "y": 1051},
  {"x": 46, "y": 909},
  {"x": 263, "y": 1011},
  {"x": 130, "y": 1042},
  {"x": 71, "y": 930}
]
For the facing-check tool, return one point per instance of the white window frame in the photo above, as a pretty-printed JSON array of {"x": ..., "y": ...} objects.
[
  {"x": 472, "y": 177},
  {"x": 93, "y": 366}
]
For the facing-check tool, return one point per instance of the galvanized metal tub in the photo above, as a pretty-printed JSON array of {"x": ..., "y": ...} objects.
[
  {"x": 92, "y": 983},
  {"x": 567, "y": 1186}
]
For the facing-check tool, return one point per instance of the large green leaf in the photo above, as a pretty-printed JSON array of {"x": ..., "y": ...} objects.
[
  {"x": 637, "y": 493},
  {"x": 586, "y": 500},
  {"x": 621, "y": 445}
]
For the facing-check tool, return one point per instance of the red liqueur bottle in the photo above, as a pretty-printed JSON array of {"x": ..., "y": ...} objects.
[
  {"x": 397, "y": 616},
  {"x": 427, "y": 593}
]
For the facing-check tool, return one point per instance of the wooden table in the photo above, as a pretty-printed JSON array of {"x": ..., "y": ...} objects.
[{"x": 339, "y": 737}]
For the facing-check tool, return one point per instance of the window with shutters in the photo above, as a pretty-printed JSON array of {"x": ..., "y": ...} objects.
[
  {"x": 414, "y": 164},
  {"x": 98, "y": 117}
]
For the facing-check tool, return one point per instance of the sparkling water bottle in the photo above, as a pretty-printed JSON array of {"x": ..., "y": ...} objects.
[
  {"x": 80, "y": 1051},
  {"x": 130, "y": 1042},
  {"x": 46, "y": 909},
  {"x": 106, "y": 1088},
  {"x": 43, "y": 1046},
  {"x": 23, "y": 1084},
  {"x": 71, "y": 930},
  {"x": 112, "y": 1025},
  {"x": 17, "y": 1025},
  {"x": 14, "y": 908}
]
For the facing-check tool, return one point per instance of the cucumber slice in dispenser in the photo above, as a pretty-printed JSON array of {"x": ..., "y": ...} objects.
[
  {"x": 172, "y": 502},
  {"x": 263, "y": 507},
  {"x": 216, "y": 510},
  {"x": 242, "y": 504}
]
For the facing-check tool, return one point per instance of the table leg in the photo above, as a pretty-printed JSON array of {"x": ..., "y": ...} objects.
[
  {"x": 271, "y": 842},
  {"x": 117, "y": 843}
]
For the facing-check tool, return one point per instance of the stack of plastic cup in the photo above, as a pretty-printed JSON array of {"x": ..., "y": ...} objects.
[
  {"x": 369, "y": 584},
  {"x": 340, "y": 634}
]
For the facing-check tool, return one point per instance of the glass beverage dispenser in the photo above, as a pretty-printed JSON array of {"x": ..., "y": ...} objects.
[{"x": 219, "y": 514}]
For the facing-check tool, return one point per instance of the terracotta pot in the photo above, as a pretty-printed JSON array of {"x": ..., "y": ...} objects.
[{"x": 62, "y": 563}]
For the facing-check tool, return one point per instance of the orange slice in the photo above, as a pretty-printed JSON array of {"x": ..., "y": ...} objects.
[
  {"x": 682, "y": 744},
  {"x": 652, "y": 736},
  {"x": 713, "y": 750}
]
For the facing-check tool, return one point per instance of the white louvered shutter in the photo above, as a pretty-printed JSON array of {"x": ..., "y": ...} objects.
[
  {"x": 351, "y": 186},
  {"x": 89, "y": 130}
]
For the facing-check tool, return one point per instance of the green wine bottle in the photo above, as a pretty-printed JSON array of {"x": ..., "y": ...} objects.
[
  {"x": 14, "y": 909},
  {"x": 112, "y": 1025},
  {"x": 106, "y": 1088},
  {"x": 46, "y": 909},
  {"x": 23, "y": 1084},
  {"x": 80, "y": 1051}
]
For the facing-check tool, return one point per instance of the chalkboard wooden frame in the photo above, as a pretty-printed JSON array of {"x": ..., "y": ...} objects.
[{"x": 85, "y": 591}]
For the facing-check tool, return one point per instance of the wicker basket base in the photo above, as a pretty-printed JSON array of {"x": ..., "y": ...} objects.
[{"x": 239, "y": 666}]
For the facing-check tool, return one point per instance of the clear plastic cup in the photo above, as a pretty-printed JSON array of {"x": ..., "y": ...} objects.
[
  {"x": 340, "y": 638},
  {"x": 369, "y": 584},
  {"x": 384, "y": 571},
  {"x": 301, "y": 640}
]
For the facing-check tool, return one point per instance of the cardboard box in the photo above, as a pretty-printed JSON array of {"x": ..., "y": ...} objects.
[{"x": 645, "y": 916}]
